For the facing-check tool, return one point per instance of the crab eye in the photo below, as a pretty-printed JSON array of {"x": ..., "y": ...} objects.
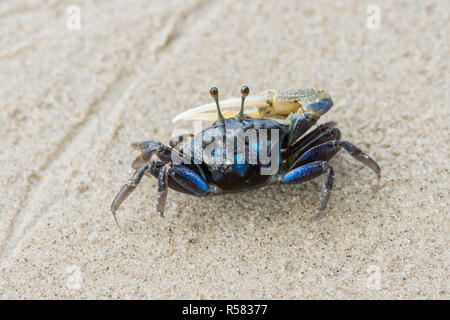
[
  {"x": 214, "y": 92},
  {"x": 245, "y": 91}
]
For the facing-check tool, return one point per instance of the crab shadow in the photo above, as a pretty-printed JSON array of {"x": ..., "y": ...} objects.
[
  {"x": 248, "y": 212},
  {"x": 259, "y": 210}
]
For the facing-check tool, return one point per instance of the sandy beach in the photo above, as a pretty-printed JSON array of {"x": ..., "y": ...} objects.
[{"x": 79, "y": 84}]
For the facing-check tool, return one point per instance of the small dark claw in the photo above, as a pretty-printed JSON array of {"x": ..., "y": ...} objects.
[
  {"x": 189, "y": 180},
  {"x": 305, "y": 172},
  {"x": 137, "y": 162},
  {"x": 327, "y": 150},
  {"x": 148, "y": 148},
  {"x": 141, "y": 145},
  {"x": 144, "y": 157}
]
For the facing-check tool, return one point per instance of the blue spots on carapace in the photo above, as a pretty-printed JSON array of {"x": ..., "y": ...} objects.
[
  {"x": 254, "y": 147},
  {"x": 239, "y": 166},
  {"x": 217, "y": 153}
]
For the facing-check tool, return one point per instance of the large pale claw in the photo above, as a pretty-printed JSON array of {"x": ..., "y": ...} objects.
[{"x": 269, "y": 104}]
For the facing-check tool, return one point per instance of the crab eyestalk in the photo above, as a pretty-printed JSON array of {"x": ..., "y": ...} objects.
[
  {"x": 244, "y": 93},
  {"x": 214, "y": 92},
  {"x": 269, "y": 104}
]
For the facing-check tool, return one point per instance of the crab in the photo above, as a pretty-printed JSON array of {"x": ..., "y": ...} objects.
[{"x": 240, "y": 152}]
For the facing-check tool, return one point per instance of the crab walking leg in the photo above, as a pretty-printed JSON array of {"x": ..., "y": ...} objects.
[
  {"x": 127, "y": 189},
  {"x": 309, "y": 138},
  {"x": 163, "y": 189},
  {"x": 300, "y": 143},
  {"x": 153, "y": 172},
  {"x": 310, "y": 171},
  {"x": 328, "y": 150},
  {"x": 331, "y": 135},
  {"x": 356, "y": 153},
  {"x": 301, "y": 147},
  {"x": 326, "y": 190},
  {"x": 185, "y": 177},
  {"x": 305, "y": 172}
]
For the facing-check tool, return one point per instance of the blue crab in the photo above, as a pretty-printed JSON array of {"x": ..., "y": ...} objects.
[{"x": 206, "y": 165}]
